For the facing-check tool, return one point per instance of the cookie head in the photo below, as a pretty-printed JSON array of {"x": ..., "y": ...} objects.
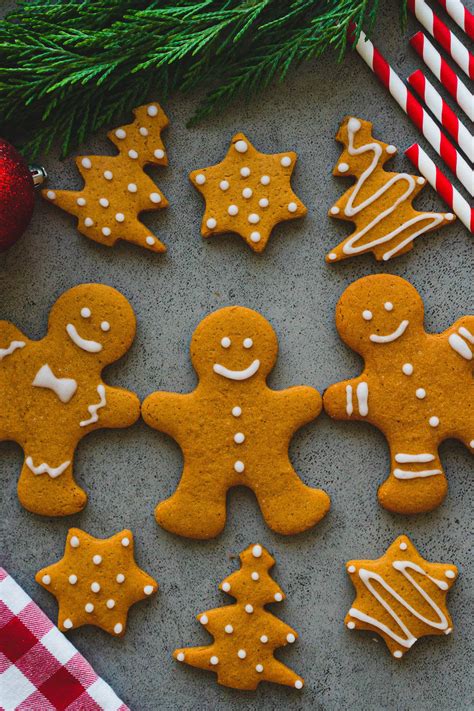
[
  {"x": 234, "y": 344},
  {"x": 96, "y": 320},
  {"x": 378, "y": 310}
]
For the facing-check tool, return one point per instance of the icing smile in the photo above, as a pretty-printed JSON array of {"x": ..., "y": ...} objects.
[
  {"x": 237, "y": 374},
  {"x": 391, "y": 336},
  {"x": 89, "y": 346}
]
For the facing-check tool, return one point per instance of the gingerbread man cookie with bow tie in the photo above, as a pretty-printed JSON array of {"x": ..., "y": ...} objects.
[{"x": 52, "y": 393}]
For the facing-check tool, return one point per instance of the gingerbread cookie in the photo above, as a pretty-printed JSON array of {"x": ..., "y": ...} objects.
[
  {"x": 416, "y": 387},
  {"x": 234, "y": 430},
  {"x": 379, "y": 203},
  {"x": 245, "y": 634},
  {"x": 97, "y": 581},
  {"x": 116, "y": 187},
  {"x": 248, "y": 193},
  {"x": 52, "y": 393},
  {"x": 400, "y": 596}
]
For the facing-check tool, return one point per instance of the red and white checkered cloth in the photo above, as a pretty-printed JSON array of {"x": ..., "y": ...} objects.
[{"x": 40, "y": 670}]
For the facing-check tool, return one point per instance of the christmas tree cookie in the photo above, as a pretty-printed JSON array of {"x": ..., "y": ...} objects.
[
  {"x": 116, "y": 187},
  {"x": 400, "y": 596},
  {"x": 248, "y": 193},
  {"x": 245, "y": 633},
  {"x": 380, "y": 202}
]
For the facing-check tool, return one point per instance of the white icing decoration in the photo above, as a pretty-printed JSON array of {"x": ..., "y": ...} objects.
[
  {"x": 239, "y": 466},
  {"x": 290, "y": 637},
  {"x": 67, "y": 624},
  {"x": 44, "y": 468},
  {"x": 407, "y": 474},
  {"x": 255, "y": 236},
  {"x": 391, "y": 149},
  {"x": 120, "y": 578},
  {"x": 224, "y": 185},
  {"x": 152, "y": 110},
  {"x": 125, "y": 542},
  {"x": 343, "y": 167},
  {"x": 247, "y": 193},
  {"x": 132, "y": 188},
  {"x": 93, "y": 408},
  {"x": 143, "y": 131},
  {"x": 132, "y": 154},
  {"x": 89, "y": 607},
  {"x": 150, "y": 240},
  {"x": 85, "y": 312},
  {"x": 285, "y": 161},
  {"x": 180, "y": 657},
  {"x": 248, "y": 609},
  {"x": 159, "y": 153},
  {"x": 278, "y": 597},
  {"x": 226, "y": 587},
  {"x": 410, "y": 458},
  {"x": 460, "y": 346},
  {"x": 264, "y": 639},
  {"x": 334, "y": 210},
  {"x": 263, "y": 202},
  {"x": 253, "y": 218},
  {"x": 257, "y": 551},
  {"x": 120, "y": 217},
  {"x": 105, "y": 326},
  {"x": 466, "y": 334},
  {"x": 399, "y": 331},
  {"x": 292, "y": 207},
  {"x": 226, "y": 342},
  {"x": 81, "y": 201},
  {"x": 46, "y": 579},
  {"x": 407, "y": 368},
  {"x": 95, "y": 587},
  {"x": 420, "y": 180},
  {"x": 200, "y": 179},
  {"x": 233, "y": 210},
  {"x": 434, "y": 421},
  {"x": 241, "y": 654},
  {"x": 245, "y": 172},
  {"x": 332, "y": 256},
  {"x": 255, "y": 576},
  {"x": 239, "y": 437},
  {"x": 211, "y": 223},
  {"x": 108, "y": 175},
  {"x": 248, "y": 343},
  {"x": 403, "y": 546},
  {"x": 241, "y": 146},
  {"x": 118, "y": 628},
  {"x": 349, "y": 406},
  {"x": 265, "y": 179},
  {"x": 351, "y": 568},
  {"x": 450, "y": 574},
  {"x": 237, "y": 374},
  {"x": 120, "y": 133},
  {"x": 110, "y": 604},
  {"x": 72, "y": 579},
  {"x": 388, "y": 306},
  {"x": 86, "y": 163},
  {"x": 228, "y": 629},
  {"x": 351, "y": 625},
  {"x": 106, "y": 231},
  {"x": 367, "y": 315},
  {"x": 203, "y": 620},
  {"x": 236, "y": 411},
  {"x": 97, "y": 559},
  {"x": 214, "y": 660},
  {"x": 148, "y": 589},
  {"x": 64, "y": 388},
  {"x": 89, "y": 346},
  {"x": 11, "y": 348},
  {"x": 51, "y": 195},
  {"x": 259, "y": 668},
  {"x": 104, "y": 202},
  {"x": 362, "y": 392},
  {"x": 155, "y": 197},
  {"x": 88, "y": 222},
  {"x": 420, "y": 393},
  {"x": 74, "y": 542}
]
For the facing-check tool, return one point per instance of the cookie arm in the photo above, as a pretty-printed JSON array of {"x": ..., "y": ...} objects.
[
  {"x": 167, "y": 412},
  {"x": 299, "y": 405},
  {"x": 348, "y": 400},
  {"x": 461, "y": 338},
  {"x": 121, "y": 409},
  {"x": 11, "y": 339}
]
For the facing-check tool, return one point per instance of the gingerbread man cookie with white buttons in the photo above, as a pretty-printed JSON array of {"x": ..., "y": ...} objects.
[
  {"x": 234, "y": 430},
  {"x": 52, "y": 393},
  {"x": 248, "y": 193},
  {"x": 416, "y": 387}
]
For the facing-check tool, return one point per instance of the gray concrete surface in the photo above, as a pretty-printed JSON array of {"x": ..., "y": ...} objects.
[{"x": 126, "y": 473}]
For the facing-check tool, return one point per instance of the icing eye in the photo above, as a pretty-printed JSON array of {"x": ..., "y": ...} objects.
[
  {"x": 225, "y": 343},
  {"x": 85, "y": 312},
  {"x": 105, "y": 326},
  {"x": 367, "y": 315},
  {"x": 248, "y": 343},
  {"x": 388, "y": 306}
]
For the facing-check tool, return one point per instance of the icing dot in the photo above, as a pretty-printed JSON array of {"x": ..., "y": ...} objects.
[
  {"x": 200, "y": 179},
  {"x": 391, "y": 149},
  {"x": 88, "y": 222},
  {"x": 125, "y": 541},
  {"x": 434, "y": 422},
  {"x": 278, "y": 597},
  {"x": 159, "y": 153},
  {"x": 351, "y": 569},
  {"x": 85, "y": 312},
  {"x": 263, "y": 202},
  {"x": 245, "y": 172},
  {"x": 120, "y": 578},
  {"x": 180, "y": 657},
  {"x": 420, "y": 181},
  {"x": 118, "y": 628},
  {"x": 265, "y": 179},
  {"x": 247, "y": 193},
  {"x": 143, "y": 131},
  {"x": 343, "y": 167},
  {"x": 367, "y": 315},
  {"x": 155, "y": 197},
  {"x": 450, "y": 574},
  {"x": 152, "y": 110},
  {"x": 74, "y": 542},
  {"x": 255, "y": 575},
  {"x": 150, "y": 240},
  {"x": 248, "y": 343},
  {"x": 81, "y": 201},
  {"x": 259, "y": 668},
  {"x": 211, "y": 223},
  {"x": 290, "y": 637},
  {"x": 105, "y": 326},
  {"x": 407, "y": 368},
  {"x": 257, "y": 551},
  {"x": 110, "y": 604},
  {"x": 46, "y": 579},
  {"x": 67, "y": 624},
  {"x": 148, "y": 589},
  {"x": 51, "y": 195},
  {"x": 224, "y": 185},
  {"x": 403, "y": 546},
  {"x": 249, "y": 609},
  {"x": 132, "y": 188},
  {"x": 132, "y": 154},
  {"x": 253, "y": 218},
  {"x": 225, "y": 342},
  {"x": 86, "y": 163},
  {"x": 449, "y": 216},
  {"x": 120, "y": 133},
  {"x": 448, "y": 631},
  {"x": 420, "y": 393},
  {"x": 89, "y": 607},
  {"x": 228, "y": 629},
  {"x": 239, "y": 466},
  {"x": 351, "y": 625},
  {"x": 108, "y": 175},
  {"x": 471, "y": 443},
  {"x": 241, "y": 654},
  {"x": 255, "y": 236},
  {"x": 73, "y": 579},
  {"x": 241, "y": 147},
  {"x": 332, "y": 256},
  {"x": 214, "y": 660},
  {"x": 388, "y": 306},
  {"x": 106, "y": 231},
  {"x": 353, "y": 125},
  {"x": 120, "y": 217},
  {"x": 334, "y": 210},
  {"x": 292, "y": 207},
  {"x": 232, "y": 209},
  {"x": 95, "y": 587},
  {"x": 97, "y": 559},
  {"x": 285, "y": 161},
  {"x": 204, "y": 619},
  {"x": 239, "y": 437},
  {"x": 398, "y": 654},
  {"x": 264, "y": 639},
  {"x": 226, "y": 587},
  {"x": 298, "y": 684},
  {"x": 236, "y": 411}
]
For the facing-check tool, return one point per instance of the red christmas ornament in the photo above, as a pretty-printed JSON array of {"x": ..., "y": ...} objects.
[{"x": 17, "y": 185}]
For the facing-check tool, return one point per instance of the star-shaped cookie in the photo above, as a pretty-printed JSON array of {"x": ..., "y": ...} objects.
[
  {"x": 248, "y": 193},
  {"x": 96, "y": 581},
  {"x": 400, "y": 596}
]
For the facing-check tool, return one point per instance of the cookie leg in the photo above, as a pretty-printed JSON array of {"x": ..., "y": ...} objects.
[
  {"x": 142, "y": 236},
  {"x": 289, "y": 506},
  {"x": 417, "y": 481},
  {"x": 46, "y": 485}
]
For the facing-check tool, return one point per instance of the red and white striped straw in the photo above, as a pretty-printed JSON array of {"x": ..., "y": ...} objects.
[
  {"x": 442, "y": 185},
  {"x": 443, "y": 112},
  {"x": 415, "y": 111},
  {"x": 444, "y": 73},
  {"x": 460, "y": 14},
  {"x": 442, "y": 34}
]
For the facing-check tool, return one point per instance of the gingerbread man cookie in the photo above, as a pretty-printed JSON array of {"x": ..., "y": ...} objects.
[
  {"x": 116, "y": 187},
  {"x": 416, "y": 387},
  {"x": 52, "y": 393},
  {"x": 248, "y": 193},
  {"x": 234, "y": 430},
  {"x": 96, "y": 581},
  {"x": 400, "y": 596}
]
